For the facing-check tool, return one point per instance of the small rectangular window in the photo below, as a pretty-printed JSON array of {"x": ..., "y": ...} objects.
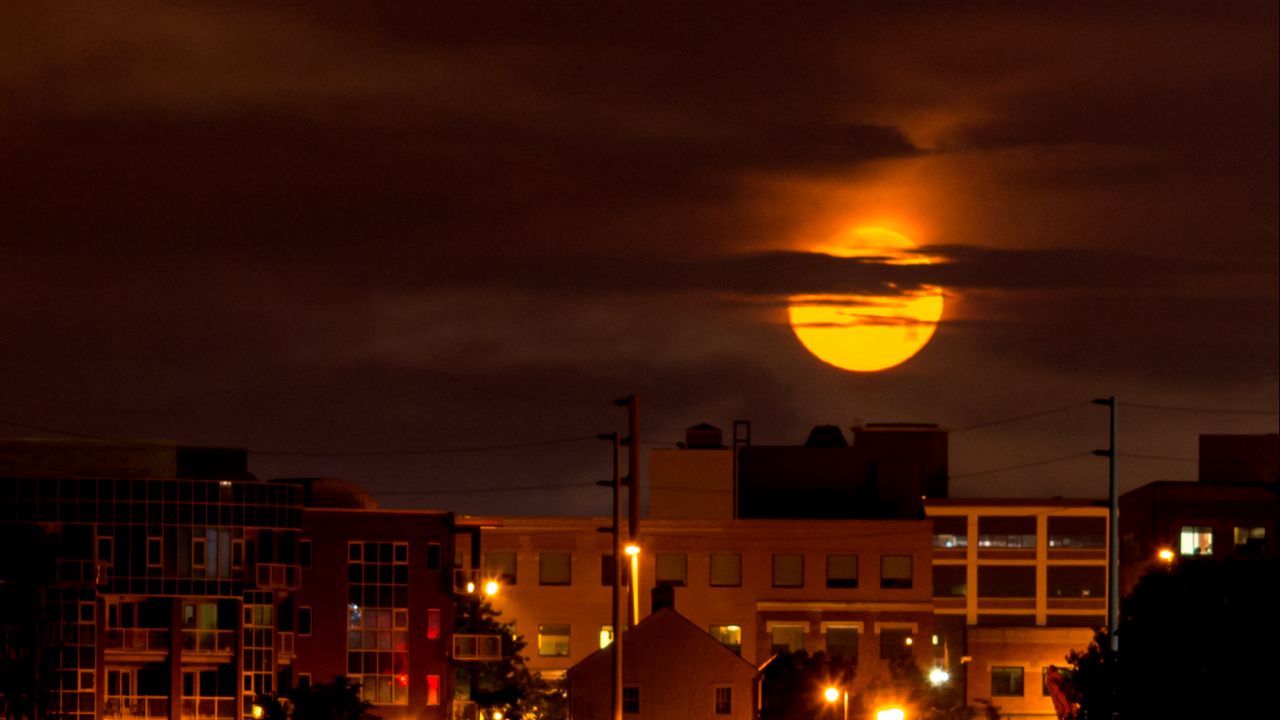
[
  {"x": 951, "y": 531},
  {"x": 950, "y": 580},
  {"x": 729, "y": 636},
  {"x": 433, "y": 623},
  {"x": 433, "y": 556},
  {"x": 355, "y": 552},
  {"x": 304, "y": 621},
  {"x": 553, "y": 640},
  {"x": 606, "y": 635},
  {"x": 555, "y": 568},
  {"x": 788, "y": 571},
  {"x": 237, "y": 554},
  {"x": 433, "y": 689},
  {"x": 199, "y": 554},
  {"x": 724, "y": 701},
  {"x": 1007, "y": 581},
  {"x": 842, "y": 571},
  {"x": 501, "y": 566},
  {"x": 842, "y": 642},
  {"x": 1250, "y": 540},
  {"x": 155, "y": 552},
  {"x": 304, "y": 553},
  {"x": 1196, "y": 540},
  {"x": 631, "y": 700},
  {"x": 401, "y": 553},
  {"x": 671, "y": 569},
  {"x": 895, "y": 571},
  {"x": 726, "y": 570},
  {"x": 106, "y": 548},
  {"x": 1074, "y": 581},
  {"x": 895, "y": 643},
  {"x": 1006, "y": 681}
]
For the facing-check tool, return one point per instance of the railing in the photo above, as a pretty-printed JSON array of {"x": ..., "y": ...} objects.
[
  {"x": 277, "y": 576},
  {"x": 210, "y": 708},
  {"x": 477, "y": 647},
  {"x": 137, "y": 639},
  {"x": 286, "y": 644},
  {"x": 137, "y": 707},
  {"x": 209, "y": 641}
]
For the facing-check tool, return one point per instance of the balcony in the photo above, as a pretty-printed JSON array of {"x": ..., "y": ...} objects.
[
  {"x": 210, "y": 708},
  {"x": 209, "y": 642},
  {"x": 136, "y": 707},
  {"x": 142, "y": 641},
  {"x": 477, "y": 647},
  {"x": 277, "y": 576}
]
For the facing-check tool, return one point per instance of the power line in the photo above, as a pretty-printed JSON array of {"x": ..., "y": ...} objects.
[
  {"x": 423, "y": 451},
  {"x": 1181, "y": 408},
  {"x": 1159, "y": 457},
  {"x": 1023, "y": 465},
  {"x": 51, "y": 431},
  {"x": 1015, "y": 418}
]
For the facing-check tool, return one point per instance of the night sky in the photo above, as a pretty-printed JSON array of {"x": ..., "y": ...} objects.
[{"x": 339, "y": 228}]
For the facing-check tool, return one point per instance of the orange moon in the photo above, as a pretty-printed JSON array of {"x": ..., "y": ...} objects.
[{"x": 868, "y": 333}]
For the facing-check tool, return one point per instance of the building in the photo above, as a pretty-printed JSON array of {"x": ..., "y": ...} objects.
[
  {"x": 157, "y": 581},
  {"x": 673, "y": 670},
  {"x": 1017, "y": 584}
]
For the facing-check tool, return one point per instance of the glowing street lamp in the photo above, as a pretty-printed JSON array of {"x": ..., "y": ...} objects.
[
  {"x": 891, "y": 714},
  {"x": 491, "y": 588},
  {"x": 258, "y": 711},
  {"x": 1165, "y": 555},
  {"x": 938, "y": 676},
  {"x": 833, "y": 693}
]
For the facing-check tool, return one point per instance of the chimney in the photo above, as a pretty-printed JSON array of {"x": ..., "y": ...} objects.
[{"x": 662, "y": 596}]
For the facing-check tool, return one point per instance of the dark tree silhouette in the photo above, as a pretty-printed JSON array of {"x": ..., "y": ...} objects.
[
  {"x": 1197, "y": 639},
  {"x": 506, "y": 685},
  {"x": 338, "y": 700}
]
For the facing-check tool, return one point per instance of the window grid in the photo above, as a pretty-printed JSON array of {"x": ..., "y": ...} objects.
[{"x": 378, "y": 620}]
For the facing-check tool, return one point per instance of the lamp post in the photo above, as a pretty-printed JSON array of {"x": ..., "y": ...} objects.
[
  {"x": 619, "y": 599},
  {"x": 833, "y": 693},
  {"x": 1113, "y": 533}
]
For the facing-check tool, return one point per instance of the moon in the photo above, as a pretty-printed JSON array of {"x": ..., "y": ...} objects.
[{"x": 868, "y": 333}]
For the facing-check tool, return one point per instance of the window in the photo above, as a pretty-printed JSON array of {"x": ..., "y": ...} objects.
[
  {"x": 401, "y": 552},
  {"x": 199, "y": 554},
  {"x": 433, "y": 689},
  {"x": 1016, "y": 533},
  {"x": 1069, "y": 581},
  {"x": 355, "y": 552},
  {"x": 842, "y": 571},
  {"x": 950, "y": 580},
  {"x": 553, "y": 640},
  {"x": 726, "y": 570},
  {"x": 895, "y": 571},
  {"x": 951, "y": 531},
  {"x": 155, "y": 552},
  {"x": 895, "y": 643},
  {"x": 237, "y": 554},
  {"x": 1196, "y": 540},
  {"x": 1250, "y": 540},
  {"x": 304, "y": 553},
  {"x": 606, "y": 636},
  {"x": 106, "y": 547},
  {"x": 433, "y": 624},
  {"x": 671, "y": 569},
  {"x": 729, "y": 636},
  {"x": 631, "y": 700},
  {"x": 304, "y": 621},
  {"x": 842, "y": 641},
  {"x": 1077, "y": 532},
  {"x": 1006, "y": 581},
  {"x": 788, "y": 571},
  {"x": 1006, "y": 681},
  {"x": 433, "y": 562},
  {"x": 786, "y": 638},
  {"x": 555, "y": 568},
  {"x": 724, "y": 701},
  {"x": 606, "y": 571},
  {"x": 501, "y": 565}
]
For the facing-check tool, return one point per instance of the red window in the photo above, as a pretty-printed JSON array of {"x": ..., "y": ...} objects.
[
  {"x": 433, "y": 689},
  {"x": 433, "y": 624}
]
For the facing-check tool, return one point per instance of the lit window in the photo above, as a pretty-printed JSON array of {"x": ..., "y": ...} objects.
[
  {"x": 1250, "y": 540},
  {"x": 729, "y": 636},
  {"x": 433, "y": 623},
  {"x": 1007, "y": 532},
  {"x": 726, "y": 570},
  {"x": 671, "y": 569},
  {"x": 842, "y": 571},
  {"x": 606, "y": 635},
  {"x": 788, "y": 571},
  {"x": 1006, "y": 682},
  {"x": 786, "y": 638},
  {"x": 501, "y": 565},
  {"x": 895, "y": 571},
  {"x": 631, "y": 700},
  {"x": 1196, "y": 540},
  {"x": 724, "y": 701},
  {"x": 951, "y": 531},
  {"x": 433, "y": 689},
  {"x": 553, "y": 640}
]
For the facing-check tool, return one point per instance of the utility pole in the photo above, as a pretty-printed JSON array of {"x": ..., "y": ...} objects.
[
  {"x": 632, "y": 482},
  {"x": 616, "y": 654},
  {"x": 1113, "y": 533}
]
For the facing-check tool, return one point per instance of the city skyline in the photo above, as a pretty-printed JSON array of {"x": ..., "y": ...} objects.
[{"x": 365, "y": 230}]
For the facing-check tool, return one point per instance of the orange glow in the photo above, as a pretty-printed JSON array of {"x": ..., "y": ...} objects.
[
  {"x": 831, "y": 694},
  {"x": 403, "y": 680},
  {"x": 1165, "y": 555},
  {"x": 868, "y": 333}
]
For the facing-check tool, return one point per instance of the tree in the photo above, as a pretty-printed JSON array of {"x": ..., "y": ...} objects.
[
  {"x": 338, "y": 700},
  {"x": 1197, "y": 639},
  {"x": 506, "y": 685}
]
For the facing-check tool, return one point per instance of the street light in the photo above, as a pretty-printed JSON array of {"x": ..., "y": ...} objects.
[
  {"x": 891, "y": 714},
  {"x": 938, "y": 676},
  {"x": 1165, "y": 555},
  {"x": 833, "y": 693},
  {"x": 491, "y": 588},
  {"x": 633, "y": 551}
]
